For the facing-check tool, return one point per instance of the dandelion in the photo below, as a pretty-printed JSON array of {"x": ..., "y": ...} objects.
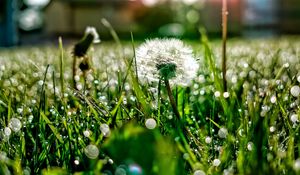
[
  {"x": 80, "y": 51},
  {"x": 167, "y": 59}
]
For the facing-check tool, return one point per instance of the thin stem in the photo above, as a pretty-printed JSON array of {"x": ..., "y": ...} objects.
[
  {"x": 172, "y": 100},
  {"x": 224, "y": 37},
  {"x": 74, "y": 69}
]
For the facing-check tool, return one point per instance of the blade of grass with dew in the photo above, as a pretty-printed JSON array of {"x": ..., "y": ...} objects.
[
  {"x": 53, "y": 129},
  {"x": 139, "y": 93},
  {"x": 61, "y": 70}
]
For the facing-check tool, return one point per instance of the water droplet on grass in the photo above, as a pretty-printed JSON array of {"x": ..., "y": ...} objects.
[
  {"x": 294, "y": 118},
  {"x": 199, "y": 172},
  {"x": 295, "y": 91},
  {"x": 208, "y": 140},
  {"x": 222, "y": 133},
  {"x": 297, "y": 165},
  {"x": 150, "y": 123},
  {"x": 91, "y": 151},
  {"x": 216, "y": 162},
  {"x": 7, "y": 131},
  {"x": 15, "y": 124},
  {"x": 105, "y": 130}
]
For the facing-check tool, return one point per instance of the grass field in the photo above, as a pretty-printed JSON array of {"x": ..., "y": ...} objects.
[{"x": 112, "y": 124}]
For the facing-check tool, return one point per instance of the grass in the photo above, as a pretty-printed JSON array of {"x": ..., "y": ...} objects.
[{"x": 100, "y": 128}]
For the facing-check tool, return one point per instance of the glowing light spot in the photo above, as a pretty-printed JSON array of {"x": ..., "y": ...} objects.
[
  {"x": 226, "y": 94},
  {"x": 217, "y": 94}
]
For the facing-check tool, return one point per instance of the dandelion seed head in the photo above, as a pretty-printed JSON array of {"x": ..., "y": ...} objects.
[
  {"x": 167, "y": 58},
  {"x": 150, "y": 123},
  {"x": 93, "y": 31}
]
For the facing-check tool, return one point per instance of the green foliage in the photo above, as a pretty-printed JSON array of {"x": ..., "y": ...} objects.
[{"x": 252, "y": 128}]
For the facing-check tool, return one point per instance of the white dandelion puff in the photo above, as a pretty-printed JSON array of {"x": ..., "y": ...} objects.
[
  {"x": 93, "y": 31},
  {"x": 170, "y": 59}
]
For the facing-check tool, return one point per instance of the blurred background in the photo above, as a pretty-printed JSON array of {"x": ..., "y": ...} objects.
[{"x": 24, "y": 22}]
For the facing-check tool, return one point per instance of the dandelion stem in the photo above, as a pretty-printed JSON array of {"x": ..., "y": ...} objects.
[
  {"x": 74, "y": 70},
  {"x": 224, "y": 37},
  {"x": 172, "y": 100}
]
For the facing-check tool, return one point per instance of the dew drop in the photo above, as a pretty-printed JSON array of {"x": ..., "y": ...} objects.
[
  {"x": 216, "y": 162},
  {"x": 120, "y": 171},
  {"x": 150, "y": 123},
  {"x": 294, "y": 118},
  {"x": 91, "y": 151},
  {"x": 208, "y": 140},
  {"x": 7, "y": 131},
  {"x": 297, "y": 165},
  {"x": 199, "y": 172},
  {"x": 226, "y": 94},
  {"x": 222, "y": 133},
  {"x": 250, "y": 146},
  {"x": 86, "y": 133},
  {"x": 217, "y": 94},
  {"x": 15, "y": 124},
  {"x": 105, "y": 130},
  {"x": 295, "y": 91}
]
